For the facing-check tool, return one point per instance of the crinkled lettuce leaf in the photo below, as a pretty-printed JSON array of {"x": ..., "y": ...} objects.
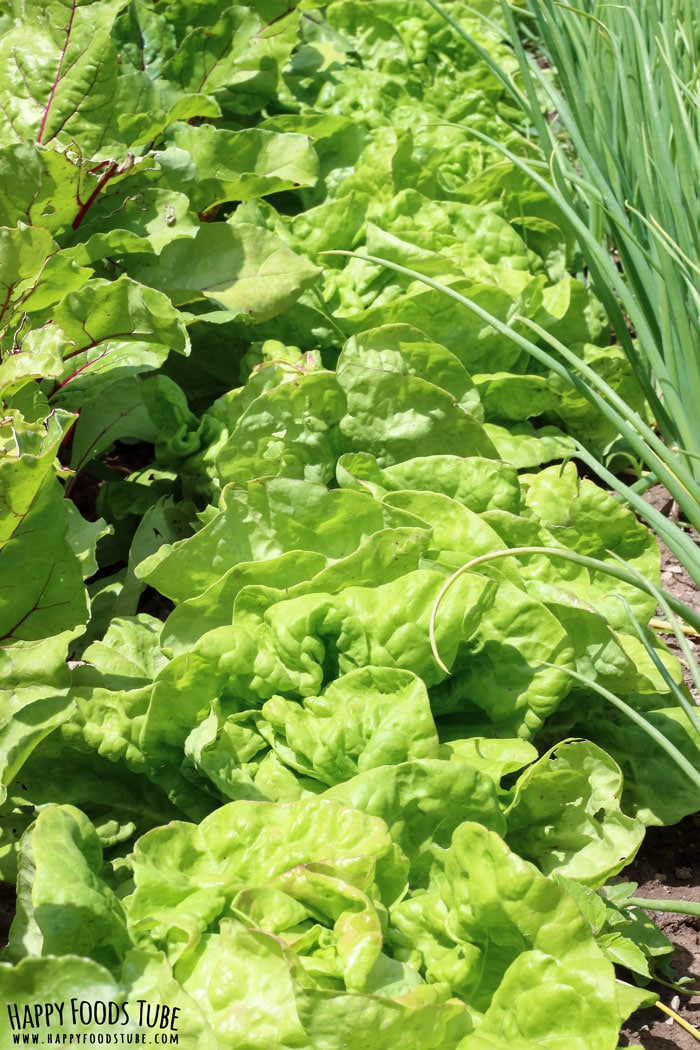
[
  {"x": 565, "y": 815},
  {"x": 499, "y": 930}
]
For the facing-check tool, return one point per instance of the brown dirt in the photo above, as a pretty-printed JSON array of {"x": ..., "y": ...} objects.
[
  {"x": 674, "y": 578},
  {"x": 7, "y": 910},
  {"x": 668, "y": 867}
]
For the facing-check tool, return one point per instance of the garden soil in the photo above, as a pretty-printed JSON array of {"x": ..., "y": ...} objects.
[{"x": 668, "y": 867}]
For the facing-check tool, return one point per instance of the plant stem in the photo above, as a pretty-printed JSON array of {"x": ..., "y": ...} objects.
[
  {"x": 681, "y": 989},
  {"x": 691, "y": 770},
  {"x": 675, "y": 906},
  {"x": 679, "y": 1020},
  {"x": 619, "y": 572}
]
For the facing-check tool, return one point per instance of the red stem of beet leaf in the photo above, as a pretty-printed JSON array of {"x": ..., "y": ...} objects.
[
  {"x": 111, "y": 171},
  {"x": 57, "y": 78}
]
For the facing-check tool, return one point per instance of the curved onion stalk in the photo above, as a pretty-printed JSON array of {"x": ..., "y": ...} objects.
[
  {"x": 689, "y": 708},
  {"x": 641, "y": 437},
  {"x": 681, "y": 639},
  {"x": 660, "y": 460},
  {"x": 675, "y": 538},
  {"x": 621, "y": 572},
  {"x": 690, "y": 770}
]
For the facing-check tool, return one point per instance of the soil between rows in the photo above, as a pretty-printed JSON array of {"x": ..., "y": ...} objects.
[{"x": 668, "y": 867}]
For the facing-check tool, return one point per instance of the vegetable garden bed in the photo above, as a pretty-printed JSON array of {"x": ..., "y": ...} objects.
[
  {"x": 333, "y": 701},
  {"x": 668, "y": 867}
]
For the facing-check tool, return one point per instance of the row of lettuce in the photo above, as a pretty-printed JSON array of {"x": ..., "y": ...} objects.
[{"x": 280, "y": 783}]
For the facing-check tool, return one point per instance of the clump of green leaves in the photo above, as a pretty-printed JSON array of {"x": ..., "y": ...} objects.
[{"x": 623, "y": 87}]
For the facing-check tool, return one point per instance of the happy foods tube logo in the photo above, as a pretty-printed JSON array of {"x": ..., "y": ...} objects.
[{"x": 110, "y": 1023}]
